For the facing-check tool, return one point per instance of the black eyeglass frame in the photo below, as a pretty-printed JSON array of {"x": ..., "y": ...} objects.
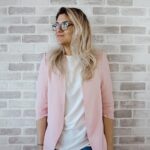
[{"x": 62, "y": 26}]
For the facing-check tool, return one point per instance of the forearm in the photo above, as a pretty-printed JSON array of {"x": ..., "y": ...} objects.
[
  {"x": 108, "y": 131},
  {"x": 41, "y": 128}
]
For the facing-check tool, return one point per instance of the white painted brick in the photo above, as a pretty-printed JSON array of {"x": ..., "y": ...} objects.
[
  {"x": 120, "y": 29},
  {"x": 10, "y": 2},
  {"x": 143, "y": 3}
]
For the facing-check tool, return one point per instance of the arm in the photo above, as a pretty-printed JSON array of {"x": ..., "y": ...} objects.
[
  {"x": 107, "y": 102},
  {"x": 41, "y": 128},
  {"x": 108, "y": 131},
  {"x": 41, "y": 101}
]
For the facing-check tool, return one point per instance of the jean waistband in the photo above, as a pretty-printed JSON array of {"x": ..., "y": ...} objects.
[{"x": 87, "y": 148}]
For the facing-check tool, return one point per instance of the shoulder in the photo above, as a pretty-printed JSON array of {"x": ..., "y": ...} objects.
[{"x": 101, "y": 56}]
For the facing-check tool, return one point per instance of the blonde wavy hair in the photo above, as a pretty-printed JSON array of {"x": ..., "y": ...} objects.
[{"x": 81, "y": 44}]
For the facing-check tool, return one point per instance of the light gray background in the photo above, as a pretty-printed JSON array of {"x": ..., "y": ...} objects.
[{"x": 121, "y": 28}]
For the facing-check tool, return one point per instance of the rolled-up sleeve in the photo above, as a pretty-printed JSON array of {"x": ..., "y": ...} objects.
[
  {"x": 42, "y": 89},
  {"x": 106, "y": 89}
]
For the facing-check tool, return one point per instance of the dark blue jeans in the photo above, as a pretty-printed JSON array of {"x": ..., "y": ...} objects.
[{"x": 85, "y": 148}]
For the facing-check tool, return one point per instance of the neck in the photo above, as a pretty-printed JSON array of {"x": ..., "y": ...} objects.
[{"x": 67, "y": 50}]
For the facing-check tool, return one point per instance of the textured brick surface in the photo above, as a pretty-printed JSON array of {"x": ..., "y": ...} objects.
[{"x": 120, "y": 28}]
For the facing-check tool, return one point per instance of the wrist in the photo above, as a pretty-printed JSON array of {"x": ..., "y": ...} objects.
[{"x": 41, "y": 145}]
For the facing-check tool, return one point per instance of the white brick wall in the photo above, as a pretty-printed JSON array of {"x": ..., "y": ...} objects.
[{"x": 121, "y": 28}]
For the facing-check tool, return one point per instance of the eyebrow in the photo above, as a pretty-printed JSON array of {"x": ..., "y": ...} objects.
[{"x": 63, "y": 21}]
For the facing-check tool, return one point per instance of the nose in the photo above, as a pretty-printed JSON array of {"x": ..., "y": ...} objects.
[{"x": 58, "y": 29}]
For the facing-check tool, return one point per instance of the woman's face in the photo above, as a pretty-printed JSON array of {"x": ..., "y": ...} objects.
[{"x": 64, "y": 36}]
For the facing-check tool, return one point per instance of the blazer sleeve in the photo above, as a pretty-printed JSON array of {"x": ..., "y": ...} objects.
[
  {"x": 106, "y": 89},
  {"x": 42, "y": 89}
]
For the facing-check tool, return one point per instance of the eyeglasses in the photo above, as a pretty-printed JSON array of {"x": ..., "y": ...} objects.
[{"x": 62, "y": 26}]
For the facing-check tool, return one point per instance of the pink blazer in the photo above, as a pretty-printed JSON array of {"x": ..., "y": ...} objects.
[{"x": 97, "y": 98}]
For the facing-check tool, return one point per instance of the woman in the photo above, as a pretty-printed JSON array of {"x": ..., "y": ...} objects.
[{"x": 74, "y": 94}]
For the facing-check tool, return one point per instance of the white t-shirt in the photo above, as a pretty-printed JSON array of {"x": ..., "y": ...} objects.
[{"x": 74, "y": 135}]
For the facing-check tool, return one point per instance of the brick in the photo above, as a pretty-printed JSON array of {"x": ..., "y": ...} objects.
[
  {"x": 29, "y": 76},
  {"x": 90, "y": 2},
  {"x": 21, "y": 85},
  {"x": 147, "y": 140},
  {"x": 10, "y": 94},
  {"x": 132, "y": 104},
  {"x": 98, "y": 38},
  {"x": 19, "y": 123},
  {"x": 21, "y": 10},
  {"x": 131, "y": 140},
  {"x": 3, "y": 48},
  {"x": 149, "y": 68},
  {"x": 142, "y": 39},
  {"x": 3, "y": 141},
  {"x": 133, "y": 11},
  {"x": 123, "y": 113},
  {"x": 29, "y": 113},
  {"x": 35, "y": 38},
  {"x": 148, "y": 49},
  {"x": 44, "y": 29},
  {"x": 114, "y": 67},
  {"x": 121, "y": 76},
  {"x": 142, "y": 58},
  {"x": 10, "y": 38},
  {"x": 10, "y": 20},
  {"x": 21, "y": 29},
  {"x": 141, "y": 76},
  {"x": 133, "y": 68},
  {"x": 10, "y": 147},
  {"x": 133, "y": 30},
  {"x": 29, "y": 94},
  {"x": 3, "y": 85},
  {"x": 10, "y": 57},
  {"x": 27, "y": 147},
  {"x": 119, "y": 39},
  {"x": 132, "y": 86},
  {"x": 50, "y": 11},
  {"x": 3, "y": 30},
  {"x": 122, "y": 131},
  {"x": 111, "y": 20},
  {"x": 105, "y": 11},
  {"x": 3, "y": 104},
  {"x": 107, "y": 48},
  {"x": 21, "y": 140},
  {"x": 96, "y": 20},
  {"x": 31, "y": 57},
  {"x": 122, "y": 95},
  {"x": 119, "y": 58},
  {"x": 21, "y": 104},
  {"x": 105, "y": 29},
  {"x": 21, "y": 67},
  {"x": 35, "y": 20},
  {"x": 116, "y": 104},
  {"x": 66, "y": 2},
  {"x": 22, "y": 47},
  {"x": 3, "y": 11},
  {"x": 29, "y": 131},
  {"x": 120, "y": 2},
  {"x": 133, "y": 48},
  {"x": 141, "y": 114},
  {"x": 144, "y": 3},
  {"x": 132, "y": 147},
  {"x": 35, "y": 3},
  {"x": 142, "y": 21},
  {"x": 116, "y": 86},
  {"x": 10, "y": 113},
  {"x": 10, "y": 76},
  {"x": 141, "y": 95},
  {"x": 10, "y": 2},
  {"x": 132, "y": 122},
  {"x": 10, "y": 131}
]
